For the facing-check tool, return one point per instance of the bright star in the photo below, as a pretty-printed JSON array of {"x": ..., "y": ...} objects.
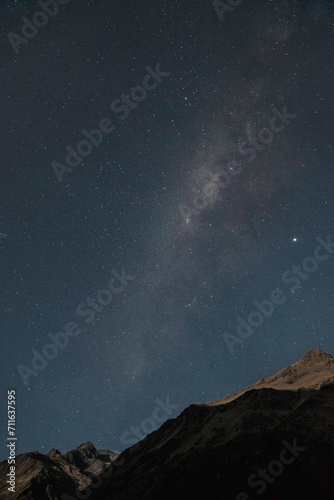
[{"x": 294, "y": 239}]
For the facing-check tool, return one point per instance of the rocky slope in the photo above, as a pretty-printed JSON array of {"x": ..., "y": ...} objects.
[
  {"x": 233, "y": 448},
  {"x": 48, "y": 477},
  {"x": 273, "y": 440}
]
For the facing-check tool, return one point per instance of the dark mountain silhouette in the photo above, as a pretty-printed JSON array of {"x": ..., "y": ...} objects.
[
  {"x": 273, "y": 440},
  {"x": 46, "y": 477}
]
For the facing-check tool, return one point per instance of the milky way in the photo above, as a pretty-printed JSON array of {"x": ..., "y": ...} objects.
[{"x": 218, "y": 181}]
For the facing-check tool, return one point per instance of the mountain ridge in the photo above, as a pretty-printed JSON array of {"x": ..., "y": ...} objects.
[
  {"x": 210, "y": 449},
  {"x": 293, "y": 377}
]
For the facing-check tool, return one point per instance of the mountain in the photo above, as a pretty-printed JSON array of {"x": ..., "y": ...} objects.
[
  {"x": 314, "y": 369},
  {"x": 273, "y": 440},
  {"x": 235, "y": 448},
  {"x": 48, "y": 477}
]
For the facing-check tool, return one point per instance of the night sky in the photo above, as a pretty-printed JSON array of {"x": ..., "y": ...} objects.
[{"x": 211, "y": 179}]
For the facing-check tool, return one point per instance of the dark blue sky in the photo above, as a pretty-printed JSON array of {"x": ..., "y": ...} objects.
[{"x": 200, "y": 192}]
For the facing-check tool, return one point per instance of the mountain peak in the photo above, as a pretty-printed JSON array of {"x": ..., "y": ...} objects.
[
  {"x": 316, "y": 354},
  {"x": 88, "y": 445},
  {"x": 54, "y": 453},
  {"x": 315, "y": 368}
]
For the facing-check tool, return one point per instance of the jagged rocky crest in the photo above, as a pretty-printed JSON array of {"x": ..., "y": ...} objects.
[
  {"x": 48, "y": 477},
  {"x": 210, "y": 450}
]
